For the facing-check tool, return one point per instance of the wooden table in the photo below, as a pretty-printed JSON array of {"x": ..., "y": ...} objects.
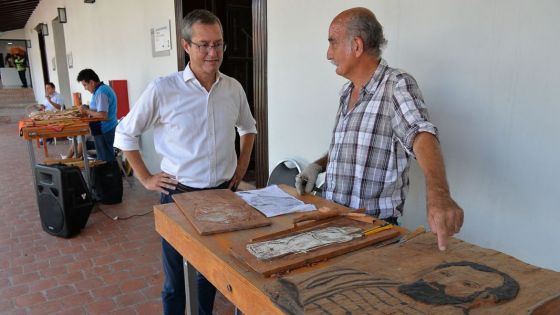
[
  {"x": 30, "y": 131},
  {"x": 245, "y": 288},
  {"x": 211, "y": 256}
]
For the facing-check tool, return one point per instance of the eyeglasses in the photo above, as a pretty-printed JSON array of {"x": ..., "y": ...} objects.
[{"x": 205, "y": 48}]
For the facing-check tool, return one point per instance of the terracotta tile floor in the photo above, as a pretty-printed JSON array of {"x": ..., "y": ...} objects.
[{"x": 111, "y": 267}]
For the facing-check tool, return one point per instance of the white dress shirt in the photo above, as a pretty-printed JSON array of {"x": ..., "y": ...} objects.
[
  {"x": 56, "y": 98},
  {"x": 194, "y": 130}
]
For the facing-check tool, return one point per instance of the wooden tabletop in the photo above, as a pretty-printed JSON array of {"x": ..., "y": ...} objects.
[
  {"x": 30, "y": 129},
  {"x": 211, "y": 254},
  {"x": 390, "y": 266}
]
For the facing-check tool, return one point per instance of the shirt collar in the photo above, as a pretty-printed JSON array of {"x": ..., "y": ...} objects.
[
  {"x": 372, "y": 84},
  {"x": 98, "y": 86},
  {"x": 189, "y": 75},
  {"x": 369, "y": 87}
]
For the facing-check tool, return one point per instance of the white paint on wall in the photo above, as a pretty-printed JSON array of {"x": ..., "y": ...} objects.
[
  {"x": 113, "y": 39},
  {"x": 488, "y": 71}
]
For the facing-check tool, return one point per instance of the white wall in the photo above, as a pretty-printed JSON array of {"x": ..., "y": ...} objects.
[
  {"x": 113, "y": 39},
  {"x": 487, "y": 69}
]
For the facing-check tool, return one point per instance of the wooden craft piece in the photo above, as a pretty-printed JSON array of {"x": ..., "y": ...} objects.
[
  {"x": 324, "y": 213},
  {"x": 303, "y": 242},
  {"x": 293, "y": 261},
  {"x": 349, "y": 291},
  {"x": 218, "y": 212},
  {"x": 417, "y": 279}
]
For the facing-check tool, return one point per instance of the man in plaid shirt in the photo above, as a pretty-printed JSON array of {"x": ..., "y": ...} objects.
[{"x": 381, "y": 123}]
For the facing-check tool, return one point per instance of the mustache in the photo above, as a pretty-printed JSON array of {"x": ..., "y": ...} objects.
[{"x": 333, "y": 63}]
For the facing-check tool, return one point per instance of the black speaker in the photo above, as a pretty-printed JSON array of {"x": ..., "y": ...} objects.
[
  {"x": 107, "y": 183},
  {"x": 64, "y": 200}
]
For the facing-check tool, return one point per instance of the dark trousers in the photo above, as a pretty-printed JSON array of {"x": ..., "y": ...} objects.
[
  {"x": 104, "y": 145},
  {"x": 173, "y": 293},
  {"x": 22, "y": 78}
]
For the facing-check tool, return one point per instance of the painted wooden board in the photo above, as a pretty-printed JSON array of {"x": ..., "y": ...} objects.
[
  {"x": 218, "y": 211},
  {"x": 418, "y": 279},
  {"x": 253, "y": 293},
  {"x": 293, "y": 261}
]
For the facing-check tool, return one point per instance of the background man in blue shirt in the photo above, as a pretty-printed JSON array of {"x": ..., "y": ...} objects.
[{"x": 103, "y": 105}]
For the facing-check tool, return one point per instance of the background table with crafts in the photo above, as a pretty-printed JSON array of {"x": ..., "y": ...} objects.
[
  {"x": 60, "y": 124},
  {"x": 370, "y": 274}
]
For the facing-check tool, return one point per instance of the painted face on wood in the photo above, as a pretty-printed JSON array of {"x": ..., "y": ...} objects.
[
  {"x": 462, "y": 283},
  {"x": 452, "y": 288}
]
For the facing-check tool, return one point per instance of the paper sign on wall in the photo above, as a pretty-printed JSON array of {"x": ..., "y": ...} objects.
[{"x": 161, "y": 40}]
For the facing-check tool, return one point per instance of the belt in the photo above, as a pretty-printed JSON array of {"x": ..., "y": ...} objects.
[{"x": 180, "y": 188}]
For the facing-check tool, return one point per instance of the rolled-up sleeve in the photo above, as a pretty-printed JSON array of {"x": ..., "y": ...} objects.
[
  {"x": 245, "y": 122},
  {"x": 141, "y": 117},
  {"x": 410, "y": 115}
]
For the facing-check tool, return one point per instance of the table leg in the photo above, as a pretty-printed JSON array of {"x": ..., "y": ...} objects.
[
  {"x": 86, "y": 161},
  {"x": 33, "y": 162},
  {"x": 191, "y": 288},
  {"x": 45, "y": 148},
  {"x": 75, "y": 146}
]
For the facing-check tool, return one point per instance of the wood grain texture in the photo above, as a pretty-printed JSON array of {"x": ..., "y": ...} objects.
[
  {"x": 208, "y": 254},
  {"x": 249, "y": 290},
  {"x": 418, "y": 279},
  {"x": 218, "y": 211}
]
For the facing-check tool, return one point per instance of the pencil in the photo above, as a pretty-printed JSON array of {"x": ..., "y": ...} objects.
[{"x": 377, "y": 229}]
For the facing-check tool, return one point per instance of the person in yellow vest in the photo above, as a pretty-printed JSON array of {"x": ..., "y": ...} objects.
[{"x": 21, "y": 67}]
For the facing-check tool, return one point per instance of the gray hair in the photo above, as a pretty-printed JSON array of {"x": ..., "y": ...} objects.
[
  {"x": 363, "y": 23},
  {"x": 198, "y": 16}
]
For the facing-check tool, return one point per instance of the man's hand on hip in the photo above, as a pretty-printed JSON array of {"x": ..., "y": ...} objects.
[
  {"x": 445, "y": 218},
  {"x": 305, "y": 181},
  {"x": 240, "y": 171},
  {"x": 160, "y": 182}
]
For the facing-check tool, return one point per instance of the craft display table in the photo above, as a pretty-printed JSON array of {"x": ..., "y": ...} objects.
[
  {"x": 367, "y": 281},
  {"x": 31, "y": 130}
]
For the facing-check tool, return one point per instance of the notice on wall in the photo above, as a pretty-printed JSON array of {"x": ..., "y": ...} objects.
[{"x": 161, "y": 40}]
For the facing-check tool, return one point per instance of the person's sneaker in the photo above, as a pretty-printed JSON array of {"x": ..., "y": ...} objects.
[{"x": 64, "y": 157}]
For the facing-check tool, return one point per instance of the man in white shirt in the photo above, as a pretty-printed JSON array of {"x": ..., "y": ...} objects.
[
  {"x": 194, "y": 114},
  {"x": 53, "y": 100}
]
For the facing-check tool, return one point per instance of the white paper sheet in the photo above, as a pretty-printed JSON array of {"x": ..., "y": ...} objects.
[{"x": 273, "y": 201}]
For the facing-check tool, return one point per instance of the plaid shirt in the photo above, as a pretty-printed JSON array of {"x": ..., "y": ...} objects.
[{"x": 370, "y": 150}]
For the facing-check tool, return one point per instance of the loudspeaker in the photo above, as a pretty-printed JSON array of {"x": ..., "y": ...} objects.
[
  {"x": 64, "y": 200},
  {"x": 107, "y": 183}
]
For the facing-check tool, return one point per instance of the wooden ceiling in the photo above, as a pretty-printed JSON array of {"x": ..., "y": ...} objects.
[{"x": 15, "y": 13}]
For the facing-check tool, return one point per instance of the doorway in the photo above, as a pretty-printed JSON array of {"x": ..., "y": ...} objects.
[
  {"x": 43, "y": 53},
  {"x": 8, "y": 49},
  {"x": 244, "y": 23}
]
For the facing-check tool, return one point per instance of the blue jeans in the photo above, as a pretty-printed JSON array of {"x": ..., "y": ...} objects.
[
  {"x": 173, "y": 293},
  {"x": 104, "y": 145}
]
